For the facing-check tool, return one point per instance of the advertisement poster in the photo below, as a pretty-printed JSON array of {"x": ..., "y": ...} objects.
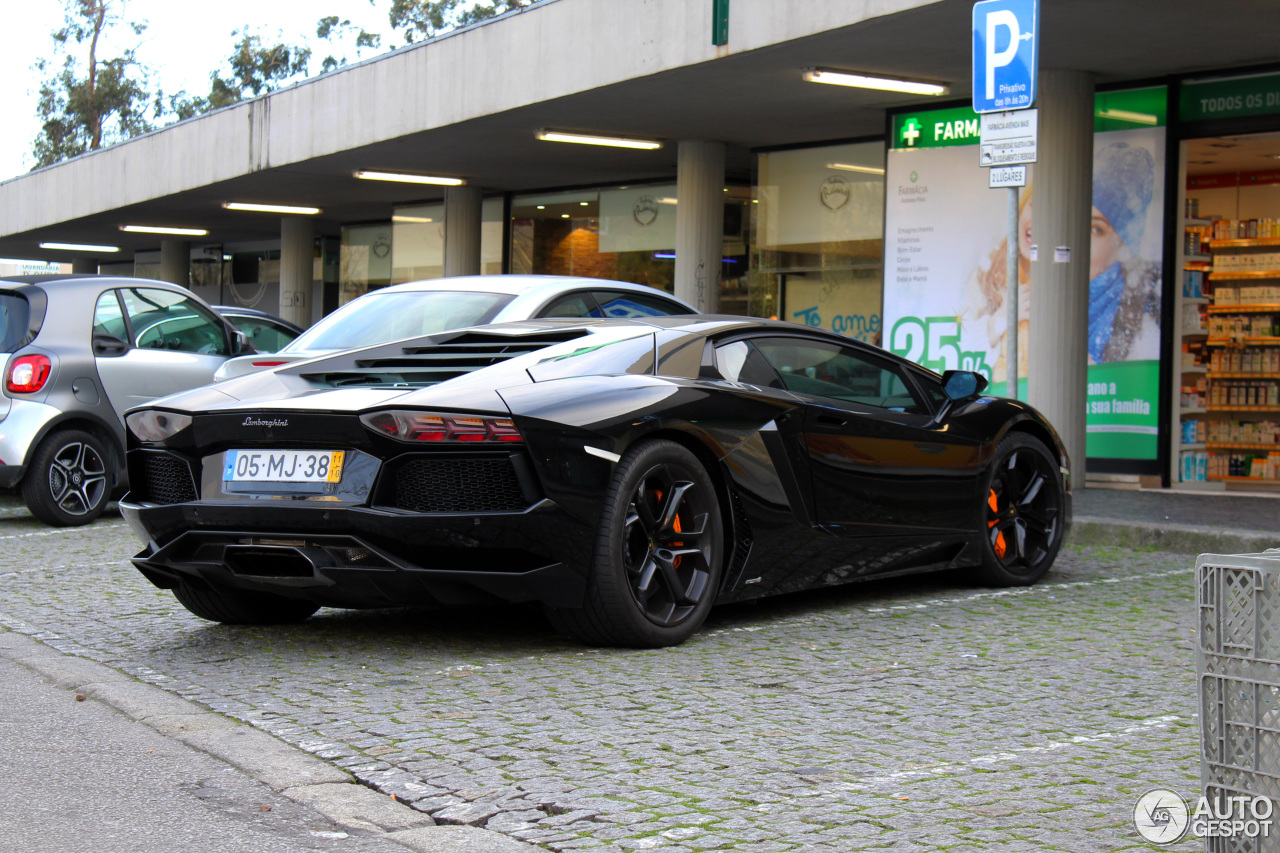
[{"x": 945, "y": 261}]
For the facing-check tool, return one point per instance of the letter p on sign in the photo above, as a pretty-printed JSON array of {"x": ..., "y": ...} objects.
[{"x": 1005, "y": 54}]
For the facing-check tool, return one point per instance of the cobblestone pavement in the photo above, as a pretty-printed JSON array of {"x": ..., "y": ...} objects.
[{"x": 917, "y": 714}]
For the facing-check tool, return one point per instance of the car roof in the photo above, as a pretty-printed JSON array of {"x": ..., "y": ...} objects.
[
  {"x": 86, "y": 281},
  {"x": 518, "y": 284}
]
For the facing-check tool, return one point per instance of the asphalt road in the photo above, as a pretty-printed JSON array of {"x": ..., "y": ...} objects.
[{"x": 917, "y": 714}]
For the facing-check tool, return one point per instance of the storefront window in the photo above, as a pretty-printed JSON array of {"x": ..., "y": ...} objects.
[
  {"x": 621, "y": 233},
  {"x": 417, "y": 241},
  {"x": 365, "y": 259},
  {"x": 817, "y": 257}
]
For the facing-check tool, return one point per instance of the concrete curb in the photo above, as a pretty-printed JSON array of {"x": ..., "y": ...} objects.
[
  {"x": 1179, "y": 539},
  {"x": 288, "y": 770}
]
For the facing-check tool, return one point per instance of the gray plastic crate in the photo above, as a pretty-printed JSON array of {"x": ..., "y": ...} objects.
[{"x": 1238, "y": 670}]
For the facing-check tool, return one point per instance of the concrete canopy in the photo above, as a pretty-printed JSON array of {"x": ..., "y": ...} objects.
[{"x": 468, "y": 103}]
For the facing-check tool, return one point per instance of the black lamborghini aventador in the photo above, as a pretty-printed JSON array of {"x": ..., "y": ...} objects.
[{"x": 624, "y": 474}]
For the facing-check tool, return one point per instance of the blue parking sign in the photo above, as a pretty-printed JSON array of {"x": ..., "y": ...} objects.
[{"x": 1006, "y": 36}]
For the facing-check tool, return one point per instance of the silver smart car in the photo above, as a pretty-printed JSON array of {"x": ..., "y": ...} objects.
[{"x": 78, "y": 351}]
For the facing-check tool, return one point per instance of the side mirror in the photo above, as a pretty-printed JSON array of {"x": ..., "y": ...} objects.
[
  {"x": 109, "y": 346},
  {"x": 240, "y": 343},
  {"x": 962, "y": 384}
]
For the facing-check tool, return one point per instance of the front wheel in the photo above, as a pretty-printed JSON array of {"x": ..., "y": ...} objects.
[
  {"x": 1023, "y": 514},
  {"x": 659, "y": 553},
  {"x": 68, "y": 483},
  {"x": 242, "y": 607}
]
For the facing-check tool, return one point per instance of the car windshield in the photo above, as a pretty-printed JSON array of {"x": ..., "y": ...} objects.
[{"x": 381, "y": 317}]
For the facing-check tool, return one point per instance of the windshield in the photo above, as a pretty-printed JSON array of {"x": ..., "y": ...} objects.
[{"x": 378, "y": 318}]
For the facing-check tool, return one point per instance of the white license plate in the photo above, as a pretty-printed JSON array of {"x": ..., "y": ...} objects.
[{"x": 283, "y": 466}]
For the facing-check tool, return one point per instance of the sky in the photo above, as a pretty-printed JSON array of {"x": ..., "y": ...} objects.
[{"x": 185, "y": 40}]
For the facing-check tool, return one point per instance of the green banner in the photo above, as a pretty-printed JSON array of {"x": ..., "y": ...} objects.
[
  {"x": 1233, "y": 97},
  {"x": 1122, "y": 110},
  {"x": 936, "y": 129},
  {"x": 1123, "y": 410}
]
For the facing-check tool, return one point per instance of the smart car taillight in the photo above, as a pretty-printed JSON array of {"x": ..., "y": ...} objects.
[
  {"x": 425, "y": 426},
  {"x": 27, "y": 374}
]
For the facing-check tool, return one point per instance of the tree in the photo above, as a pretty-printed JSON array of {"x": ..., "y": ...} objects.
[
  {"x": 256, "y": 68},
  {"x": 91, "y": 101},
  {"x": 332, "y": 27},
  {"x": 422, "y": 19}
]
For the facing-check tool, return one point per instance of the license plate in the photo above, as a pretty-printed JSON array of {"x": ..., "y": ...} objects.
[{"x": 283, "y": 466}]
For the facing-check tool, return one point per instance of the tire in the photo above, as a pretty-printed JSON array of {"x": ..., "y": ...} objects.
[
  {"x": 69, "y": 481},
  {"x": 240, "y": 607},
  {"x": 1022, "y": 517},
  {"x": 659, "y": 553}
]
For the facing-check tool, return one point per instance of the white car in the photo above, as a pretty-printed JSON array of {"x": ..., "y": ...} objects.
[{"x": 419, "y": 308}]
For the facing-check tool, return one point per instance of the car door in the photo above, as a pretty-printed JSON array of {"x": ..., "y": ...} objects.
[
  {"x": 880, "y": 465},
  {"x": 171, "y": 343}
]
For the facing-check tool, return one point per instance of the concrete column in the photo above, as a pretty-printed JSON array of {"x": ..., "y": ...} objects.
[
  {"x": 175, "y": 262},
  {"x": 699, "y": 223},
  {"x": 84, "y": 266},
  {"x": 462, "y": 215},
  {"x": 297, "y": 268},
  {"x": 1062, "y": 202}
]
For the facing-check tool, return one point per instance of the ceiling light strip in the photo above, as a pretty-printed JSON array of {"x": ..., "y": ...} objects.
[
  {"x": 867, "y": 81},
  {"x": 270, "y": 208},
  {"x": 589, "y": 139},
  {"x": 78, "y": 247},
  {"x": 164, "y": 229},
  {"x": 408, "y": 178}
]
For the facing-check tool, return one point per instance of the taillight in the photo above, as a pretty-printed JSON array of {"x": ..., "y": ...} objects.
[
  {"x": 27, "y": 374},
  {"x": 268, "y": 363},
  {"x": 424, "y": 426}
]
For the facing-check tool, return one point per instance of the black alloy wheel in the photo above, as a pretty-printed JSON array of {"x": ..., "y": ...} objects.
[
  {"x": 68, "y": 483},
  {"x": 1024, "y": 513},
  {"x": 659, "y": 552}
]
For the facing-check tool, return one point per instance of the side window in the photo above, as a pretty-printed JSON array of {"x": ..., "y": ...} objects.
[
  {"x": 162, "y": 319},
  {"x": 630, "y": 305},
  {"x": 573, "y": 305},
  {"x": 108, "y": 317},
  {"x": 741, "y": 362},
  {"x": 821, "y": 369}
]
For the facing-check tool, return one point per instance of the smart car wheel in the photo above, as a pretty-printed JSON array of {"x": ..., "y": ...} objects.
[
  {"x": 68, "y": 482},
  {"x": 1023, "y": 514},
  {"x": 658, "y": 557},
  {"x": 241, "y": 607}
]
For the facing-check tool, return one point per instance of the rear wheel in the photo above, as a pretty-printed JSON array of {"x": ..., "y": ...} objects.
[
  {"x": 1023, "y": 514},
  {"x": 659, "y": 550},
  {"x": 68, "y": 482},
  {"x": 241, "y": 607}
]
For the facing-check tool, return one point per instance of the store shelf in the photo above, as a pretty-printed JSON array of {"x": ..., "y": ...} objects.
[
  {"x": 1261, "y": 481},
  {"x": 1225, "y": 342},
  {"x": 1244, "y": 375},
  {"x": 1256, "y": 308},
  {"x": 1244, "y": 244},
  {"x": 1230, "y": 445},
  {"x": 1243, "y": 276},
  {"x": 1242, "y": 408}
]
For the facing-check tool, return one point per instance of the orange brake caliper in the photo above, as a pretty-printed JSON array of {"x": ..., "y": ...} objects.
[
  {"x": 999, "y": 543},
  {"x": 676, "y": 562}
]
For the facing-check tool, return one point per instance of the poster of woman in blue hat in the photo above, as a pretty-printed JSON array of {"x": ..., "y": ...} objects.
[{"x": 1124, "y": 285}]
